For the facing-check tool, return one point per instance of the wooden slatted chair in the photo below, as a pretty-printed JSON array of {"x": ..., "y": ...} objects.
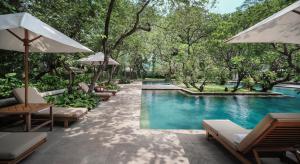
[
  {"x": 276, "y": 134},
  {"x": 60, "y": 114}
]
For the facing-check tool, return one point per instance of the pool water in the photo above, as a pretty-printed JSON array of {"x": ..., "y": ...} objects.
[{"x": 176, "y": 110}]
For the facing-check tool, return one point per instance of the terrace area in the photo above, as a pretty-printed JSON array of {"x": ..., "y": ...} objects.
[{"x": 111, "y": 133}]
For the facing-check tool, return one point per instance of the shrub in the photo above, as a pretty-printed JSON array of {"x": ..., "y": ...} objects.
[
  {"x": 50, "y": 82},
  {"x": 249, "y": 83},
  {"x": 75, "y": 99},
  {"x": 8, "y": 84},
  {"x": 110, "y": 86},
  {"x": 82, "y": 78}
]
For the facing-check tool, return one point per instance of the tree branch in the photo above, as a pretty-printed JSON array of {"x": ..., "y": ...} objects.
[
  {"x": 135, "y": 27},
  {"x": 276, "y": 49},
  {"x": 106, "y": 26}
]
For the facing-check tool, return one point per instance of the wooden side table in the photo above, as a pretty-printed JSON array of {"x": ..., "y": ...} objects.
[{"x": 26, "y": 111}]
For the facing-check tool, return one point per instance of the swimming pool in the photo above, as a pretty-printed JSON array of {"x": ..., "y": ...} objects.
[{"x": 176, "y": 110}]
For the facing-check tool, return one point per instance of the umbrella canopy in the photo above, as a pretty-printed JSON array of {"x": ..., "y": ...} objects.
[
  {"x": 282, "y": 27},
  {"x": 97, "y": 59},
  {"x": 43, "y": 37},
  {"x": 25, "y": 33}
]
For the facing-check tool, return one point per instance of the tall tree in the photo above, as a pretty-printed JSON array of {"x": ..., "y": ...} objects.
[{"x": 109, "y": 46}]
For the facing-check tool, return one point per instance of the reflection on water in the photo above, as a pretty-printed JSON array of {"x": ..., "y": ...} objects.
[{"x": 174, "y": 110}]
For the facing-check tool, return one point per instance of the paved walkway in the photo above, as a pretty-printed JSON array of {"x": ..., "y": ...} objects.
[
  {"x": 160, "y": 87},
  {"x": 111, "y": 134}
]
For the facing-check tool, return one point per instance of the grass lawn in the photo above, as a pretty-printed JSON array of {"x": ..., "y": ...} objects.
[{"x": 215, "y": 88}]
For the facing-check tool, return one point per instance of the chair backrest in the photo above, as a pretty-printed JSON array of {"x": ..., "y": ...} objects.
[
  {"x": 84, "y": 87},
  {"x": 276, "y": 130},
  {"x": 33, "y": 95}
]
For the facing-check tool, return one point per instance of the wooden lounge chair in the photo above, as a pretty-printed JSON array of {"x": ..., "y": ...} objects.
[
  {"x": 103, "y": 95},
  {"x": 14, "y": 147},
  {"x": 99, "y": 89},
  {"x": 66, "y": 115},
  {"x": 273, "y": 136}
]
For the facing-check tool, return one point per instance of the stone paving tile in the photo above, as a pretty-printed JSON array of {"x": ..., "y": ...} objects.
[{"x": 111, "y": 134}]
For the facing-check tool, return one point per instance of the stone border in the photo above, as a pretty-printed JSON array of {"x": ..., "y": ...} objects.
[
  {"x": 231, "y": 94},
  {"x": 217, "y": 93}
]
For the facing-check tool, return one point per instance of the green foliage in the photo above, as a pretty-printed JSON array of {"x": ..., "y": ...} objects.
[
  {"x": 85, "y": 77},
  {"x": 8, "y": 83},
  {"x": 50, "y": 82},
  {"x": 249, "y": 83},
  {"x": 110, "y": 86},
  {"x": 75, "y": 99}
]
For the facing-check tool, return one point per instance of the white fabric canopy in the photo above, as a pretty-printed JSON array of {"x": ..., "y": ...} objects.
[
  {"x": 51, "y": 40},
  {"x": 25, "y": 33},
  {"x": 97, "y": 59},
  {"x": 282, "y": 27}
]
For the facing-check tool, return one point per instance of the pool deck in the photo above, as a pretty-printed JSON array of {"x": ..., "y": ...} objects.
[
  {"x": 289, "y": 86},
  {"x": 111, "y": 134},
  {"x": 160, "y": 87}
]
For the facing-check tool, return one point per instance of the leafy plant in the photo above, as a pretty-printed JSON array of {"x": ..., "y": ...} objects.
[
  {"x": 110, "y": 86},
  {"x": 75, "y": 99},
  {"x": 50, "y": 82},
  {"x": 8, "y": 84},
  {"x": 249, "y": 83}
]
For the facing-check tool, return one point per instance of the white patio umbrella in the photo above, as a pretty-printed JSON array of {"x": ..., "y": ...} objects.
[
  {"x": 282, "y": 27},
  {"x": 25, "y": 33},
  {"x": 97, "y": 59}
]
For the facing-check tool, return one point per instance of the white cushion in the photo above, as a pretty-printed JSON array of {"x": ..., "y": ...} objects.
[
  {"x": 33, "y": 95},
  {"x": 237, "y": 138},
  {"x": 14, "y": 144}
]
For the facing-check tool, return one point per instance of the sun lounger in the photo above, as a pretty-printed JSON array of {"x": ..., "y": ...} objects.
[
  {"x": 103, "y": 95},
  {"x": 14, "y": 147},
  {"x": 66, "y": 115},
  {"x": 274, "y": 135},
  {"x": 99, "y": 89}
]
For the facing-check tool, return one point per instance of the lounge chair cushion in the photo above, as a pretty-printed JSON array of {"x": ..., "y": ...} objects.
[
  {"x": 263, "y": 126},
  {"x": 33, "y": 95},
  {"x": 226, "y": 129},
  {"x": 62, "y": 112},
  {"x": 239, "y": 137},
  {"x": 14, "y": 144}
]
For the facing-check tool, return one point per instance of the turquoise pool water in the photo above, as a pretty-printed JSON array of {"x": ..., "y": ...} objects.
[{"x": 175, "y": 110}]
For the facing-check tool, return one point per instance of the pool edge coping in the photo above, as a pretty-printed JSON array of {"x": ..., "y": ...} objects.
[{"x": 217, "y": 93}]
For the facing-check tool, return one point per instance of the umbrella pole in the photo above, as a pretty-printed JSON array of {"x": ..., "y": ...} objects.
[{"x": 26, "y": 67}]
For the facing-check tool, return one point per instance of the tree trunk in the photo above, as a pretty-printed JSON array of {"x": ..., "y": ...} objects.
[
  {"x": 186, "y": 84},
  {"x": 108, "y": 50},
  {"x": 71, "y": 78},
  {"x": 111, "y": 74},
  {"x": 270, "y": 85},
  {"x": 95, "y": 78},
  {"x": 201, "y": 87},
  {"x": 240, "y": 78}
]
